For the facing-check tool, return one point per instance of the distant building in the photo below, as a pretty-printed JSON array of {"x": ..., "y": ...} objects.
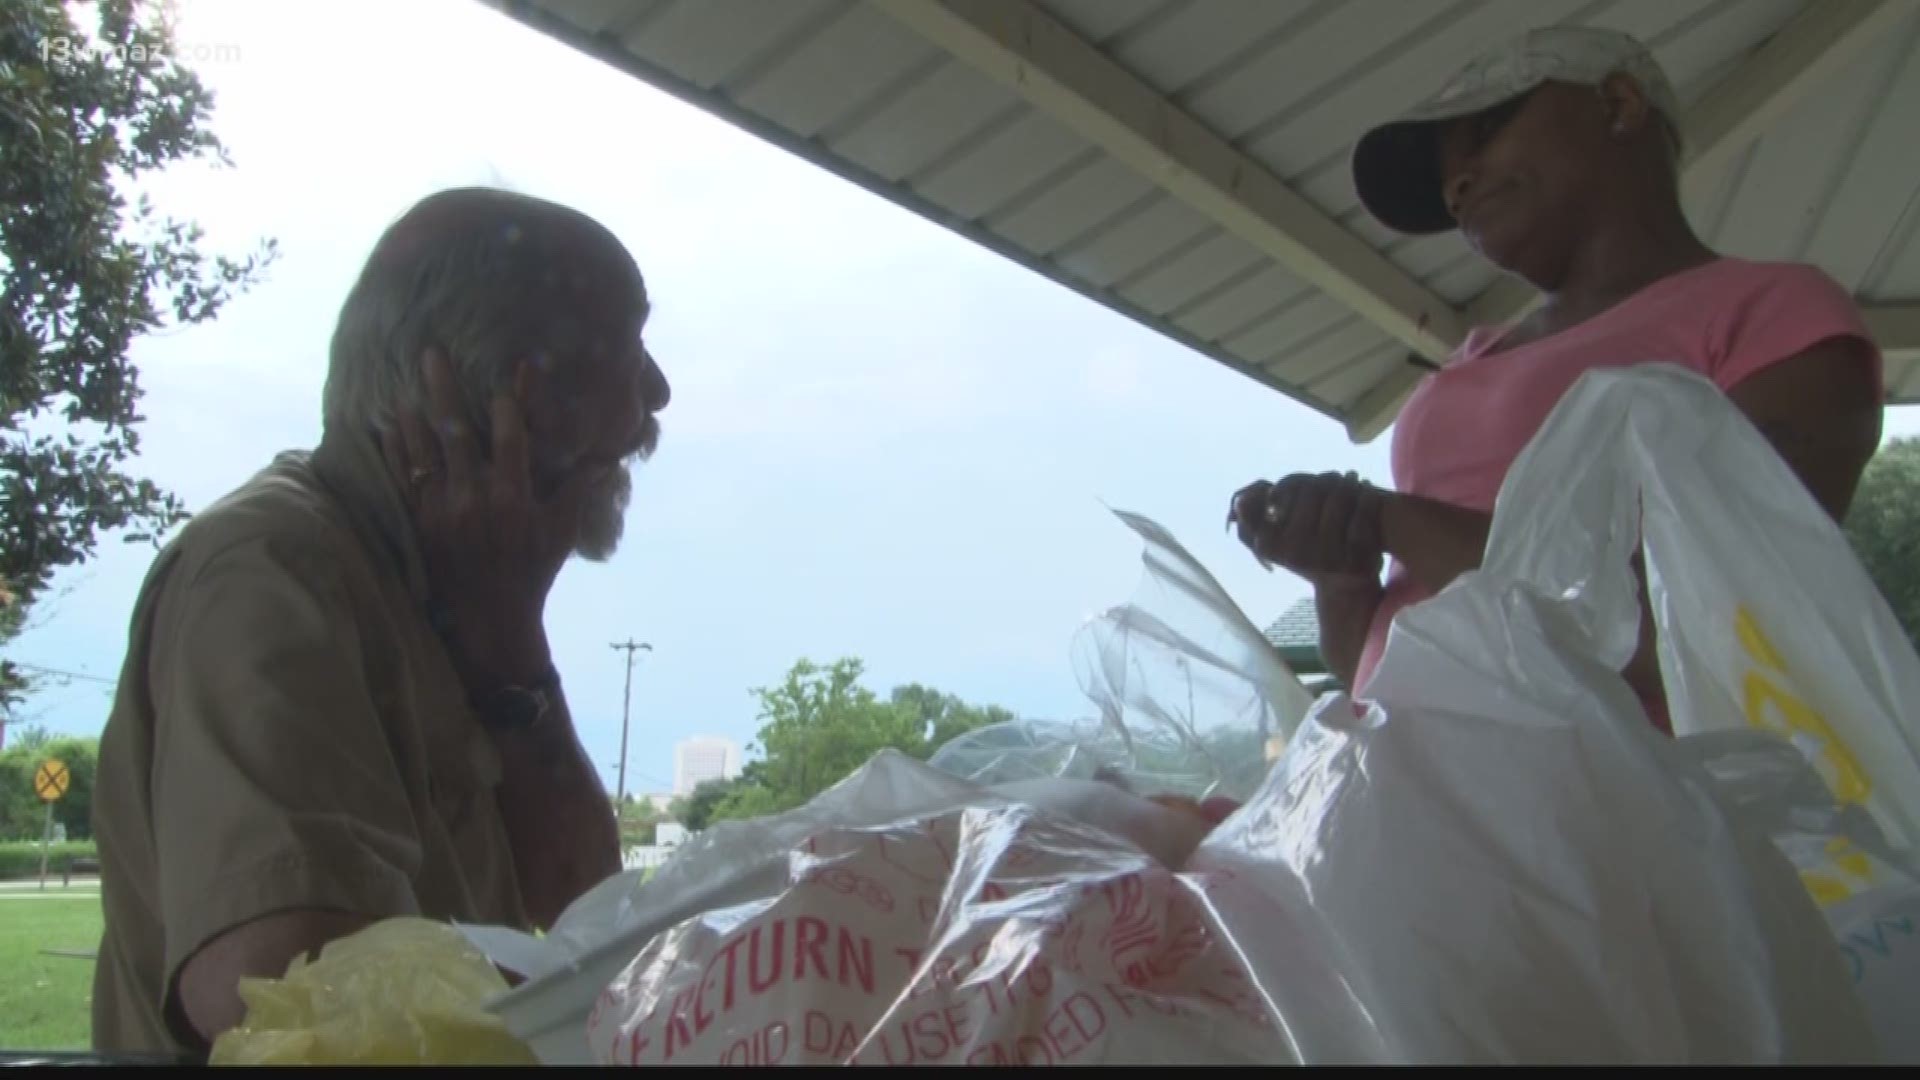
[
  {"x": 697, "y": 761},
  {"x": 659, "y": 800}
]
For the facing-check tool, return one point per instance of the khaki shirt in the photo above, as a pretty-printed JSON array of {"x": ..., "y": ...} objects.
[{"x": 288, "y": 733}]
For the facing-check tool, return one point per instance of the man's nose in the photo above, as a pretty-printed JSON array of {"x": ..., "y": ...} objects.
[{"x": 653, "y": 384}]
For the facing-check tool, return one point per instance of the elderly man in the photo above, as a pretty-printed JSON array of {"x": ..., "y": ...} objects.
[{"x": 338, "y": 704}]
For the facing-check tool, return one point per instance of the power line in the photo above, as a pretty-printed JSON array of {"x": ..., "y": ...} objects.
[{"x": 41, "y": 669}]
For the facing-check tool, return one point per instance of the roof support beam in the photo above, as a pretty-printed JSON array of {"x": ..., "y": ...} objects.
[
  {"x": 1743, "y": 106},
  {"x": 1896, "y": 329},
  {"x": 1059, "y": 73}
]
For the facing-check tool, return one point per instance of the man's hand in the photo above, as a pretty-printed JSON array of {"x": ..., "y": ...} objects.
[
  {"x": 491, "y": 550},
  {"x": 1324, "y": 527}
]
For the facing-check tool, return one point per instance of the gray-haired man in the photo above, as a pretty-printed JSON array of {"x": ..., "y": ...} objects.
[{"x": 338, "y": 704}]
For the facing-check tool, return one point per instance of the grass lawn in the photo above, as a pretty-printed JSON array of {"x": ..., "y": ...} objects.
[{"x": 45, "y": 1000}]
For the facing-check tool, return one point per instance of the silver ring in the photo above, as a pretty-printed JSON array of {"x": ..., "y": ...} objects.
[
  {"x": 421, "y": 475},
  {"x": 1272, "y": 513}
]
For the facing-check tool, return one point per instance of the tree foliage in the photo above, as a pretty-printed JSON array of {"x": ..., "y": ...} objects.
[
  {"x": 818, "y": 726},
  {"x": 22, "y": 815},
  {"x": 85, "y": 113},
  {"x": 1884, "y": 525},
  {"x": 637, "y": 817}
]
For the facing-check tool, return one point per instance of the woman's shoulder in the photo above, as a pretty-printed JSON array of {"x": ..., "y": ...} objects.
[
  {"x": 1750, "y": 280},
  {"x": 1765, "y": 312}
]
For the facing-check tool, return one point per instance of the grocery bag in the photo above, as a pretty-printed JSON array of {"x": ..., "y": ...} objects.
[
  {"x": 986, "y": 935},
  {"x": 1868, "y": 890},
  {"x": 1766, "y": 617},
  {"x": 735, "y": 863},
  {"x": 1497, "y": 859}
]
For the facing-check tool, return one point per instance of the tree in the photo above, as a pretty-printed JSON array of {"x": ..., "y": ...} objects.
[
  {"x": 1884, "y": 525},
  {"x": 13, "y": 681},
  {"x": 696, "y": 811},
  {"x": 820, "y": 725},
  {"x": 85, "y": 113},
  {"x": 946, "y": 717},
  {"x": 638, "y": 819},
  {"x": 22, "y": 815}
]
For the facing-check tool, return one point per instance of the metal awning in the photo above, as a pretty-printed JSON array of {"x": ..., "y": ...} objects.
[{"x": 1184, "y": 161}]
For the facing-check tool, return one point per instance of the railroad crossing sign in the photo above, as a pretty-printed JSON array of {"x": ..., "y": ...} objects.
[{"x": 51, "y": 780}]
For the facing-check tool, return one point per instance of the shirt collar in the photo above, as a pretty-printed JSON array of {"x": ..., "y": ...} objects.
[{"x": 352, "y": 466}]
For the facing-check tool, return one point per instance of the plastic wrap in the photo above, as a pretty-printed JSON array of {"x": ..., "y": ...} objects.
[
  {"x": 981, "y": 936},
  {"x": 1190, "y": 699},
  {"x": 400, "y": 992}
]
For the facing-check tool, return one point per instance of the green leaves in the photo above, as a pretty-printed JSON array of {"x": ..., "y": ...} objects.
[
  {"x": 21, "y": 812},
  {"x": 818, "y": 726},
  {"x": 85, "y": 113},
  {"x": 1884, "y": 525}
]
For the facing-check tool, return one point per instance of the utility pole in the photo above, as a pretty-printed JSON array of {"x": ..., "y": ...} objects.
[{"x": 630, "y": 647}]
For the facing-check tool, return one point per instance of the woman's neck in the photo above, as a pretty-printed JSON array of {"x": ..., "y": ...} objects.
[{"x": 1621, "y": 257}]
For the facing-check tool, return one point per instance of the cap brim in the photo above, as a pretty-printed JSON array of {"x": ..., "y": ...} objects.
[
  {"x": 1396, "y": 166},
  {"x": 1396, "y": 171}
]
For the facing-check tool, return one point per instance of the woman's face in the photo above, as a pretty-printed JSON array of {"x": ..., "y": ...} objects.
[{"x": 1519, "y": 178}]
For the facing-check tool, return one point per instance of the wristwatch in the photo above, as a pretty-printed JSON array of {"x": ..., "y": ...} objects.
[{"x": 520, "y": 708}]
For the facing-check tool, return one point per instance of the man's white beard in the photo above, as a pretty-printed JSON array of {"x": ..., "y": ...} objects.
[{"x": 604, "y": 517}]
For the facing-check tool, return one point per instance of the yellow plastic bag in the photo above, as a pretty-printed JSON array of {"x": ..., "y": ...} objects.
[{"x": 400, "y": 992}]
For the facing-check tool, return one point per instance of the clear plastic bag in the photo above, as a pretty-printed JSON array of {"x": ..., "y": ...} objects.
[
  {"x": 400, "y": 992},
  {"x": 1190, "y": 698}
]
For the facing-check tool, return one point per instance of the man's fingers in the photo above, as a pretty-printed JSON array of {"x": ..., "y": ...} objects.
[
  {"x": 448, "y": 417},
  {"x": 420, "y": 451},
  {"x": 512, "y": 469},
  {"x": 393, "y": 450}
]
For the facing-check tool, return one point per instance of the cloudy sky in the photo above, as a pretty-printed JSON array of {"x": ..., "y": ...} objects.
[{"x": 884, "y": 442}]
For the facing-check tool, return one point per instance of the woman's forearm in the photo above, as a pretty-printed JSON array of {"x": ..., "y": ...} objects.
[
  {"x": 1346, "y": 611},
  {"x": 1433, "y": 541},
  {"x": 1436, "y": 543}
]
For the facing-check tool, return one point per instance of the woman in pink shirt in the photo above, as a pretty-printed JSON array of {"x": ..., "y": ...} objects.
[{"x": 1557, "y": 156}]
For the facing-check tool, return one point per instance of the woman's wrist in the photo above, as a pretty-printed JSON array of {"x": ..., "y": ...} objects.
[{"x": 1344, "y": 586}]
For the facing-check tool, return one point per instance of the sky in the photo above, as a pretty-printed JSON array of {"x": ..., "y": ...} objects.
[{"x": 885, "y": 442}]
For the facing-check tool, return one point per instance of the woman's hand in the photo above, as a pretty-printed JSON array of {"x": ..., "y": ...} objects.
[{"x": 1325, "y": 527}]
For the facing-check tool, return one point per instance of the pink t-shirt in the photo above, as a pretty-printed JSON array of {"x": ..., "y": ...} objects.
[{"x": 1466, "y": 424}]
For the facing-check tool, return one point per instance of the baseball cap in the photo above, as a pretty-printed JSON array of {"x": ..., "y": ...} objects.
[{"x": 1396, "y": 166}]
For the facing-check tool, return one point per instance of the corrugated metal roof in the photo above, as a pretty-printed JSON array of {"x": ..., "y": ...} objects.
[
  {"x": 1289, "y": 84},
  {"x": 1297, "y": 628}
]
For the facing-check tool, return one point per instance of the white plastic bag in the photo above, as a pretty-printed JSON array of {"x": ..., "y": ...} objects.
[
  {"x": 1766, "y": 617},
  {"x": 981, "y": 936},
  {"x": 743, "y": 862},
  {"x": 1869, "y": 892},
  {"x": 1499, "y": 860}
]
